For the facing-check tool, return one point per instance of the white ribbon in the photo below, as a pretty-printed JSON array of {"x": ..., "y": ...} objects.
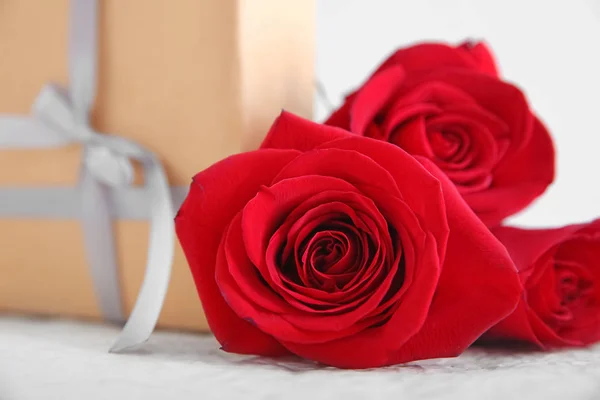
[{"x": 58, "y": 119}]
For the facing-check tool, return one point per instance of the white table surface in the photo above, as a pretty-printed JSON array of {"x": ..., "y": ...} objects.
[{"x": 50, "y": 359}]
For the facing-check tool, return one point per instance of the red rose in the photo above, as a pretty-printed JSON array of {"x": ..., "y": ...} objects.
[
  {"x": 432, "y": 56},
  {"x": 342, "y": 250},
  {"x": 560, "y": 272},
  {"x": 447, "y": 104}
]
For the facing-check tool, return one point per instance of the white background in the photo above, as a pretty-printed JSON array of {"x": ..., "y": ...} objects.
[{"x": 551, "y": 49}]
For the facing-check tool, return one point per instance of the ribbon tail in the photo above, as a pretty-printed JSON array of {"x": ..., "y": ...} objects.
[
  {"x": 100, "y": 247},
  {"x": 161, "y": 246}
]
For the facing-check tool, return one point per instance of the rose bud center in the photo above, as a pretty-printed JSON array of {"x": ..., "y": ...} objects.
[{"x": 571, "y": 287}]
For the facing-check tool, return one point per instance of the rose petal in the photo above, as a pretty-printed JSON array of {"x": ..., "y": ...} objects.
[
  {"x": 341, "y": 117},
  {"x": 235, "y": 273},
  {"x": 262, "y": 216},
  {"x": 477, "y": 270},
  {"x": 497, "y": 97},
  {"x": 373, "y": 98},
  {"x": 265, "y": 213},
  {"x": 474, "y": 112},
  {"x": 333, "y": 161},
  {"x": 411, "y": 136},
  {"x": 275, "y": 246},
  {"x": 232, "y": 259},
  {"x": 421, "y": 191},
  {"x": 405, "y": 168},
  {"x": 287, "y": 236},
  {"x": 403, "y": 110},
  {"x": 350, "y": 204},
  {"x": 482, "y": 182},
  {"x": 234, "y": 277},
  {"x": 482, "y": 143},
  {"x": 515, "y": 327},
  {"x": 200, "y": 224},
  {"x": 431, "y": 56},
  {"x": 482, "y": 55},
  {"x": 526, "y": 246},
  {"x": 518, "y": 180},
  {"x": 532, "y": 251},
  {"x": 373, "y": 347},
  {"x": 544, "y": 296},
  {"x": 292, "y": 132}
]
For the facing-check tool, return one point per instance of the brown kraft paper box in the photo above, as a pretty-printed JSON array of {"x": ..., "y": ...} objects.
[{"x": 193, "y": 81}]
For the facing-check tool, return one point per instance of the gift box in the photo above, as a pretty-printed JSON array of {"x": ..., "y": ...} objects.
[{"x": 190, "y": 81}]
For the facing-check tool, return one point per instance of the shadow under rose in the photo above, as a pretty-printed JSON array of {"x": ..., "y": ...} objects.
[{"x": 204, "y": 348}]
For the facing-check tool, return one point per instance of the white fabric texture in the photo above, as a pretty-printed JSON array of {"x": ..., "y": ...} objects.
[{"x": 50, "y": 359}]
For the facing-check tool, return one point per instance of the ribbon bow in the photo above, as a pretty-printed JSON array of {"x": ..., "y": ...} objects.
[
  {"x": 60, "y": 118},
  {"x": 107, "y": 157}
]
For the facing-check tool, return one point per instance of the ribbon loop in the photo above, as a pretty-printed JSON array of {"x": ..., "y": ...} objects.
[{"x": 53, "y": 108}]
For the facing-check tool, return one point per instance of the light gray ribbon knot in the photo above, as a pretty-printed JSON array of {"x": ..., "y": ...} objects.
[
  {"x": 107, "y": 157},
  {"x": 59, "y": 118}
]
